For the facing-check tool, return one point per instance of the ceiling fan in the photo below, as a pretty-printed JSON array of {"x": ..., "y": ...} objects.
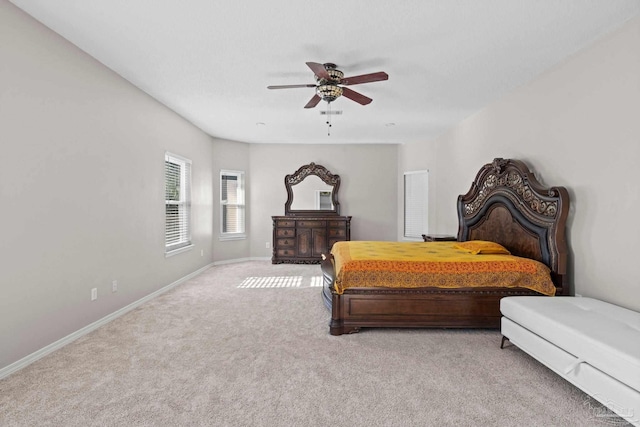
[{"x": 330, "y": 84}]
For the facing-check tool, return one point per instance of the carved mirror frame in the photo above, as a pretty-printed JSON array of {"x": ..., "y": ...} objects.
[{"x": 299, "y": 176}]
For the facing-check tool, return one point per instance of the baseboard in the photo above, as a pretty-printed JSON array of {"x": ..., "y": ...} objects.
[
  {"x": 27, "y": 360},
  {"x": 236, "y": 260}
]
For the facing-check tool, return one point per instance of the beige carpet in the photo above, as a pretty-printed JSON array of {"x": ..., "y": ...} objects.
[{"x": 248, "y": 345}]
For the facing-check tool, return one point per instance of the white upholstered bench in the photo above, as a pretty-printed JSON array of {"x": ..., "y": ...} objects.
[{"x": 592, "y": 344}]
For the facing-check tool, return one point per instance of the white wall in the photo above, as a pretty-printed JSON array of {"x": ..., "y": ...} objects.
[
  {"x": 577, "y": 126},
  {"x": 367, "y": 186},
  {"x": 82, "y": 189}
]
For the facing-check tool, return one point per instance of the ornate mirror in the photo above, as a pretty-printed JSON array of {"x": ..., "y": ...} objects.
[{"x": 312, "y": 190}]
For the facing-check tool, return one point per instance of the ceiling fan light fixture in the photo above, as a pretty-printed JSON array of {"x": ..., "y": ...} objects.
[
  {"x": 336, "y": 75},
  {"x": 329, "y": 92}
]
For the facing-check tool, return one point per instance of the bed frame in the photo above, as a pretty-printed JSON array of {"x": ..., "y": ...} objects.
[{"x": 506, "y": 204}]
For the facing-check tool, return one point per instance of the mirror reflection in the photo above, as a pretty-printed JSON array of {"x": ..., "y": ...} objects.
[{"x": 312, "y": 193}]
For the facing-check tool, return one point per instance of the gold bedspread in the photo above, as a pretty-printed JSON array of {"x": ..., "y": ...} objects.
[{"x": 432, "y": 264}]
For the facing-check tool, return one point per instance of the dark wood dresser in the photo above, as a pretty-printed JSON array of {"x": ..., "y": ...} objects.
[{"x": 303, "y": 240}]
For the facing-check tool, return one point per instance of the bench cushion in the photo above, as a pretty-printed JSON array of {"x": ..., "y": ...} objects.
[{"x": 601, "y": 334}]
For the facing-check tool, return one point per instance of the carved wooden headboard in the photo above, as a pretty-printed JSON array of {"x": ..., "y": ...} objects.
[{"x": 506, "y": 204}]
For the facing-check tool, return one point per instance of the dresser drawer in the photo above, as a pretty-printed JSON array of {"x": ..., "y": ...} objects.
[
  {"x": 337, "y": 223},
  {"x": 337, "y": 232},
  {"x": 286, "y": 252},
  {"x": 311, "y": 224},
  {"x": 286, "y": 232},
  {"x": 285, "y": 243},
  {"x": 285, "y": 223}
]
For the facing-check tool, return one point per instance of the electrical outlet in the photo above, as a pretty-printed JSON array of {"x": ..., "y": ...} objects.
[
  {"x": 201, "y": 252},
  {"x": 94, "y": 294},
  {"x": 114, "y": 286},
  {"x": 268, "y": 245}
]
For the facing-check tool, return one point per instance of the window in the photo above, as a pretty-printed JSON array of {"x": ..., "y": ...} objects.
[
  {"x": 232, "y": 205},
  {"x": 177, "y": 176},
  {"x": 416, "y": 191}
]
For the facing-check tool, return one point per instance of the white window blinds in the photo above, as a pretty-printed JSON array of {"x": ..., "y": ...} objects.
[
  {"x": 177, "y": 171},
  {"x": 232, "y": 203},
  {"x": 416, "y": 207}
]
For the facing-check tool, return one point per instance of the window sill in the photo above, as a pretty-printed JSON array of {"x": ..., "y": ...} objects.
[
  {"x": 412, "y": 239},
  {"x": 178, "y": 251},
  {"x": 239, "y": 236}
]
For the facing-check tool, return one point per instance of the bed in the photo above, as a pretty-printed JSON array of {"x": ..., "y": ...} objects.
[{"x": 506, "y": 205}]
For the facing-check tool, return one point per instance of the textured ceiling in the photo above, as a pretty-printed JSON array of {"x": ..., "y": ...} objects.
[{"x": 211, "y": 61}]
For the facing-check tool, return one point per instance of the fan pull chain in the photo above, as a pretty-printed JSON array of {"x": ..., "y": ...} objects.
[{"x": 328, "y": 119}]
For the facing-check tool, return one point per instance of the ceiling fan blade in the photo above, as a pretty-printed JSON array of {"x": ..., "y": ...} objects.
[
  {"x": 313, "y": 101},
  {"x": 290, "y": 86},
  {"x": 355, "y": 96},
  {"x": 319, "y": 70},
  {"x": 365, "y": 78}
]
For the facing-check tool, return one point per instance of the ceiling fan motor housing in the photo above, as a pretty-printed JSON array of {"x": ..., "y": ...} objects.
[{"x": 335, "y": 75}]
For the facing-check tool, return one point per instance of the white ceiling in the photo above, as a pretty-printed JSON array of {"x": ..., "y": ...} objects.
[{"x": 211, "y": 61}]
